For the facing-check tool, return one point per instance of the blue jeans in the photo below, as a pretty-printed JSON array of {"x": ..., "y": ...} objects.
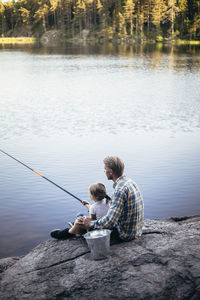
[{"x": 79, "y": 215}]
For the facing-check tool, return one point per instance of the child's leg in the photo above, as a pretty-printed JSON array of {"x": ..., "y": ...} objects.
[
  {"x": 78, "y": 215},
  {"x": 77, "y": 229}
]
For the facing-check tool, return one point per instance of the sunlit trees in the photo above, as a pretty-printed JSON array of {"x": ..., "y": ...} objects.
[
  {"x": 183, "y": 22},
  {"x": 172, "y": 12},
  {"x": 42, "y": 14},
  {"x": 25, "y": 15},
  {"x": 79, "y": 13},
  {"x": 119, "y": 25},
  {"x": 2, "y": 18},
  {"x": 159, "y": 10},
  {"x": 105, "y": 18},
  {"x": 195, "y": 20},
  {"x": 148, "y": 5},
  {"x": 129, "y": 6},
  {"x": 53, "y": 7}
]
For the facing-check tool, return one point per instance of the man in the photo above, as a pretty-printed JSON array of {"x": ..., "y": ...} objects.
[{"x": 125, "y": 214}]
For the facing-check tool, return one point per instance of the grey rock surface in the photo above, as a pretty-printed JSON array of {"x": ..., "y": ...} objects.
[
  {"x": 50, "y": 38},
  {"x": 164, "y": 263},
  {"x": 7, "y": 262}
]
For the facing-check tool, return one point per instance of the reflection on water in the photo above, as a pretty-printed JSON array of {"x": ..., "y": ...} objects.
[
  {"x": 153, "y": 51},
  {"x": 52, "y": 94},
  {"x": 62, "y": 110}
]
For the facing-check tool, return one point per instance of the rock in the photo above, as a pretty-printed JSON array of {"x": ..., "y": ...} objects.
[
  {"x": 21, "y": 31},
  {"x": 51, "y": 38},
  {"x": 6, "y": 263},
  {"x": 84, "y": 34},
  {"x": 163, "y": 263}
]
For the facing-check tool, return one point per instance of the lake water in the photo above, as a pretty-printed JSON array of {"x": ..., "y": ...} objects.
[{"x": 62, "y": 110}]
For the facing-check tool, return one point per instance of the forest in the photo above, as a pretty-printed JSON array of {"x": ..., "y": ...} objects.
[{"x": 103, "y": 19}]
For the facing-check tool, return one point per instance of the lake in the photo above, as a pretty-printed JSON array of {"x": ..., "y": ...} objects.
[{"x": 64, "y": 109}]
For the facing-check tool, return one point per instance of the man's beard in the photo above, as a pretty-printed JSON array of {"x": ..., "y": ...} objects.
[{"x": 110, "y": 177}]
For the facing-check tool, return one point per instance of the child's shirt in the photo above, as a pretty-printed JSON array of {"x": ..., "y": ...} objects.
[{"x": 99, "y": 209}]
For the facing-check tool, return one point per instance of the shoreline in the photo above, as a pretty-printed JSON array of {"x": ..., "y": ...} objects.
[
  {"x": 17, "y": 40},
  {"x": 32, "y": 41},
  {"x": 174, "y": 218}
]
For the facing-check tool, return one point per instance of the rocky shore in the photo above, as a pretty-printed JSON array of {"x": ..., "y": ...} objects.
[{"x": 164, "y": 263}]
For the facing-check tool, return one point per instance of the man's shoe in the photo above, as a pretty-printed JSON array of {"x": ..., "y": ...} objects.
[{"x": 61, "y": 234}]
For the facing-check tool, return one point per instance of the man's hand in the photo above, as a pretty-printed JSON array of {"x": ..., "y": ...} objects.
[{"x": 84, "y": 221}]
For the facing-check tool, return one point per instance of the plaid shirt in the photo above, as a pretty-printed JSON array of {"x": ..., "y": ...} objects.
[{"x": 126, "y": 210}]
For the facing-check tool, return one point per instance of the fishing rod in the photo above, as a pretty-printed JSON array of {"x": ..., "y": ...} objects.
[{"x": 42, "y": 176}]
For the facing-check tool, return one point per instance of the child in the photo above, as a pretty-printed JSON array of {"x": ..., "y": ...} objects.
[
  {"x": 96, "y": 211},
  {"x": 101, "y": 199}
]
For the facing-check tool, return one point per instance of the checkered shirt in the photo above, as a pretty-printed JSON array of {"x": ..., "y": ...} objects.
[{"x": 126, "y": 210}]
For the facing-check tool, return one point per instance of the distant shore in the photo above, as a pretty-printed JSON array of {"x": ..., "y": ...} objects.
[
  {"x": 32, "y": 40},
  {"x": 18, "y": 40}
]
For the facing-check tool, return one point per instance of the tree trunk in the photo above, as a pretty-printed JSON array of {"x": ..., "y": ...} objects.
[
  {"x": 55, "y": 19},
  {"x": 95, "y": 12},
  {"x": 131, "y": 26},
  {"x": 44, "y": 23},
  {"x": 80, "y": 25},
  {"x": 172, "y": 20}
]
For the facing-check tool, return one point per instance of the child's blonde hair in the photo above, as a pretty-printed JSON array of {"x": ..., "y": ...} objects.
[{"x": 98, "y": 190}]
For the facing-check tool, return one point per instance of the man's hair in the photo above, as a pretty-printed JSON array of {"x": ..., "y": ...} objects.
[{"x": 115, "y": 164}]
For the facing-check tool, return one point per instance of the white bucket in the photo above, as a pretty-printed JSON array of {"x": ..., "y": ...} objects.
[{"x": 99, "y": 243}]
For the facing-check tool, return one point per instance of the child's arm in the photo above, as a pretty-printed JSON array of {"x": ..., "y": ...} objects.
[
  {"x": 92, "y": 212},
  {"x": 87, "y": 204}
]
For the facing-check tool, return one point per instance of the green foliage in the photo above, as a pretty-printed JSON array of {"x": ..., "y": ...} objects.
[
  {"x": 25, "y": 15},
  {"x": 109, "y": 18},
  {"x": 109, "y": 33},
  {"x": 159, "y": 38},
  {"x": 159, "y": 10},
  {"x": 128, "y": 15}
]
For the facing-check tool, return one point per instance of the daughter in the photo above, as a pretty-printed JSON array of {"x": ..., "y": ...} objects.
[
  {"x": 101, "y": 199},
  {"x": 97, "y": 210}
]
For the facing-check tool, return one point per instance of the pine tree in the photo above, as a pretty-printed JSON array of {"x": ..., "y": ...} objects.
[
  {"x": 41, "y": 14},
  {"x": 2, "y": 19},
  {"x": 9, "y": 15},
  {"x": 147, "y": 14},
  {"x": 79, "y": 13},
  {"x": 139, "y": 17},
  {"x": 128, "y": 14},
  {"x": 195, "y": 26},
  {"x": 89, "y": 13},
  {"x": 66, "y": 25},
  {"x": 54, "y": 4},
  {"x": 118, "y": 23},
  {"x": 25, "y": 15},
  {"x": 172, "y": 12},
  {"x": 183, "y": 21},
  {"x": 159, "y": 10}
]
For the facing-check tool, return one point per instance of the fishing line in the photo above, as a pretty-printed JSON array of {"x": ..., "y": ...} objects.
[{"x": 41, "y": 176}]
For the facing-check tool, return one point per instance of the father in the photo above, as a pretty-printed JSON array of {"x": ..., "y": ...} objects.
[{"x": 125, "y": 214}]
